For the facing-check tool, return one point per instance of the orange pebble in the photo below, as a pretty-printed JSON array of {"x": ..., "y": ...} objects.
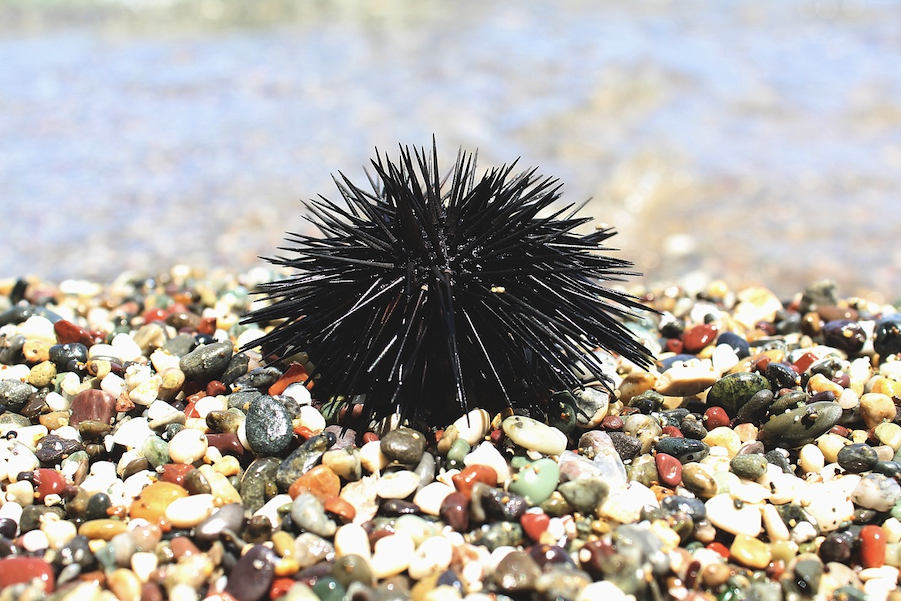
[
  {"x": 152, "y": 502},
  {"x": 321, "y": 481}
]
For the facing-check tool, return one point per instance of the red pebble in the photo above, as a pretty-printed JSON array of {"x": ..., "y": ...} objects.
[
  {"x": 669, "y": 469},
  {"x": 468, "y": 476},
  {"x": 496, "y": 436},
  {"x": 22, "y": 570},
  {"x": 175, "y": 473},
  {"x": 48, "y": 482},
  {"x": 190, "y": 410},
  {"x": 154, "y": 314},
  {"x": 803, "y": 362},
  {"x": 280, "y": 587},
  {"x": 715, "y": 417},
  {"x": 215, "y": 388},
  {"x": 697, "y": 337},
  {"x": 672, "y": 431},
  {"x": 296, "y": 373},
  {"x": 67, "y": 332},
  {"x": 305, "y": 433},
  {"x": 369, "y": 437},
  {"x": 720, "y": 549},
  {"x": 534, "y": 524},
  {"x": 612, "y": 423},
  {"x": 674, "y": 345},
  {"x": 872, "y": 546},
  {"x": 207, "y": 326}
]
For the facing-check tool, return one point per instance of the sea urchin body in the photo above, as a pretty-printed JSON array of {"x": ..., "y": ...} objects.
[{"x": 429, "y": 294}]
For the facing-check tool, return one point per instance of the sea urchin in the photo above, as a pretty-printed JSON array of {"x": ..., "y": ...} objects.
[{"x": 431, "y": 294}]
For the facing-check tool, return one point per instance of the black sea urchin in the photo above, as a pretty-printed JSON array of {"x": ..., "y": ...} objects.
[{"x": 431, "y": 294}]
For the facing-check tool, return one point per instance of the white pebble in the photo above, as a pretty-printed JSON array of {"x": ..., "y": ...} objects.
[
  {"x": 433, "y": 556},
  {"x": 21, "y": 371},
  {"x": 21, "y": 492},
  {"x": 103, "y": 350},
  {"x": 134, "y": 484},
  {"x": 311, "y": 418},
  {"x": 397, "y": 485},
  {"x": 30, "y": 435},
  {"x": 723, "y": 513},
  {"x": 11, "y": 511},
  {"x": 187, "y": 446},
  {"x": 811, "y": 459},
  {"x": 59, "y": 532},
  {"x": 160, "y": 410},
  {"x": 187, "y": 512},
  {"x": 128, "y": 349},
  {"x": 724, "y": 358},
  {"x": 372, "y": 458},
  {"x": 270, "y": 509},
  {"x": 603, "y": 589},
  {"x": 147, "y": 391},
  {"x": 487, "y": 454},
  {"x": 625, "y": 504},
  {"x": 161, "y": 360},
  {"x": 351, "y": 539},
  {"x": 210, "y": 403},
  {"x": 474, "y": 426},
  {"x": 57, "y": 402},
  {"x": 20, "y": 459},
  {"x": 133, "y": 433},
  {"x": 38, "y": 327},
  {"x": 534, "y": 435},
  {"x": 143, "y": 564},
  {"x": 299, "y": 392},
  {"x": 112, "y": 384},
  {"x": 429, "y": 497},
  {"x": 391, "y": 555},
  {"x": 803, "y": 532},
  {"x": 775, "y": 526},
  {"x": 34, "y": 541}
]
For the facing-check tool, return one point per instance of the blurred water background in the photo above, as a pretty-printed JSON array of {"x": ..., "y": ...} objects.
[{"x": 756, "y": 141}]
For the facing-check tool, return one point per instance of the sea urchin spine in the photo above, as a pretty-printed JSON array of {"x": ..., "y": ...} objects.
[{"x": 431, "y": 294}]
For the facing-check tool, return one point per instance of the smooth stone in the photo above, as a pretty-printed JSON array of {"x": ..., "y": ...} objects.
[
  {"x": 362, "y": 496},
  {"x": 187, "y": 512},
  {"x": 734, "y": 517},
  {"x": 52, "y": 448},
  {"x": 844, "y": 334},
  {"x": 207, "y": 362},
  {"x": 872, "y": 546},
  {"x": 404, "y": 446},
  {"x": 585, "y": 495},
  {"x": 645, "y": 428},
  {"x": 750, "y": 551},
  {"x": 487, "y": 454},
  {"x": 303, "y": 458},
  {"x": 252, "y": 575},
  {"x": 534, "y": 435},
  {"x": 802, "y": 425},
  {"x": 625, "y": 505},
  {"x": 888, "y": 336},
  {"x": 830, "y": 505},
  {"x": 474, "y": 426},
  {"x": 685, "y": 380},
  {"x": 391, "y": 555},
  {"x": 14, "y": 394},
  {"x": 751, "y": 466},
  {"x": 433, "y": 555},
  {"x": 876, "y": 408},
  {"x": 308, "y": 513},
  {"x": 320, "y": 481},
  {"x": 756, "y": 408},
  {"x": 857, "y": 458},
  {"x": 517, "y": 572},
  {"x": 102, "y": 529},
  {"x": 454, "y": 510},
  {"x": 397, "y": 485},
  {"x": 627, "y": 446},
  {"x": 94, "y": 405},
  {"x": 733, "y": 390},
  {"x": 345, "y": 462},
  {"x": 352, "y": 539},
  {"x": 684, "y": 449},
  {"x": 153, "y": 501},
  {"x": 592, "y": 405},
  {"x": 669, "y": 469},
  {"x": 188, "y": 446},
  {"x": 258, "y": 483},
  {"x": 268, "y": 426},
  {"x": 695, "y": 338},
  {"x": 228, "y": 517},
  {"x": 22, "y": 570},
  {"x": 536, "y": 480},
  {"x": 489, "y": 503},
  {"x": 741, "y": 346},
  {"x": 352, "y": 568},
  {"x": 876, "y": 491}
]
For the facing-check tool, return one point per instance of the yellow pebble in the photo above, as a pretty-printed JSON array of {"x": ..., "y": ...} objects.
[
  {"x": 820, "y": 383},
  {"x": 784, "y": 550},
  {"x": 725, "y": 437},
  {"x": 228, "y": 465},
  {"x": 750, "y": 551},
  {"x": 36, "y": 351},
  {"x": 830, "y": 445},
  {"x": 884, "y": 385},
  {"x": 889, "y": 434},
  {"x": 286, "y": 567}
]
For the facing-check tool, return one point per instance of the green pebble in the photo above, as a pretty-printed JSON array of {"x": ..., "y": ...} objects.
[
  {"x": 457, "y": 453},
  {"x": 156, "y": 451},
  {"x": 536, "y": 481},
  {"x": 562, "y": 412},
  {"x": 42, "y": 374},
  {"x": 585, "y": 494},
  {"x": 329, "y": 589},
  {"x": 733, "y": 390},
  {"x": 751, "y": 466}
]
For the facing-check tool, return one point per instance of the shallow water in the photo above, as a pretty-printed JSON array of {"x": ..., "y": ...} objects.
[{"x": 754, "y": 141}]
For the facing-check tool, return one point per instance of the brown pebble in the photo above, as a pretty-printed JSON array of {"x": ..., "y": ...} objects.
[{"x": 92, "y": 405}]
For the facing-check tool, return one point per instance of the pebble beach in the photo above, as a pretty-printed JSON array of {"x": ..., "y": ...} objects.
[{"x": 145, "y": 456}]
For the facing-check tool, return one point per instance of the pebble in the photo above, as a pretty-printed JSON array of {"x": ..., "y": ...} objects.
[
  {"x": 207, "y": 362},
  {"x": 534, "y": 435},
  {"x": 733, "y": 516},
  {"x": 267, "y": 426},
  {"x": 799, "y": 426},
  {"x": 404, "y": 446},
  {"x": 187, "y": 512}
]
